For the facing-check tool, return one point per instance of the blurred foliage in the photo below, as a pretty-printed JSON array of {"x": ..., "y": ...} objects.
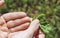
[{"x": 49, "y": 11}]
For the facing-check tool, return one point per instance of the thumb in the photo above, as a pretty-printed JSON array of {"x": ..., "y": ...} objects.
[{"x": 33, "y": 26}]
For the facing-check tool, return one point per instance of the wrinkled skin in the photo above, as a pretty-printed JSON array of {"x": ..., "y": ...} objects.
[{"x": 18, "y": 25}]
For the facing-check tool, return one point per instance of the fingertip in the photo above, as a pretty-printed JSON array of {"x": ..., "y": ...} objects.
[
  {"x": 23, "y": 13},
  {"x": 31, "y": 19},
  {"x": 36, "y": 20},
  {"x": 28, "y": 19},
  {"x": 34, "y": 26},
  {"x": 41, "y": 36}
]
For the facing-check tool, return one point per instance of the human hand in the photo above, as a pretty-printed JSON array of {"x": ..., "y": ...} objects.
[
  {"x": 21, "y": 22},
  {"x": 28, "y": 33},
  {"x": 10, "y": 20},
  {"x": 1, "y": 3}
]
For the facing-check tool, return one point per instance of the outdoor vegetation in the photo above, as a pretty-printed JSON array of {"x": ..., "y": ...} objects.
[{"x": 47, "y": 11}]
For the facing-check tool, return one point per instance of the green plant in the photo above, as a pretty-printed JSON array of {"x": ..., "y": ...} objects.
[{"x": 45, "y": 25}]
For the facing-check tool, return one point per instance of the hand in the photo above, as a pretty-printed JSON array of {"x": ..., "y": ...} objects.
[
  {"x": 1, "y": 3},
  {"x": 10, "y": 20},
  {"x": 28, "y": 33},
  {"x": 14, "y": 25}
]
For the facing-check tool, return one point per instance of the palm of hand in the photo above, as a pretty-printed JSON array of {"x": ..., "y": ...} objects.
[
  {"x": 21, "y": 34},
  {"x": 21, "y": 24},
  {"x": 3, "y": 34}
]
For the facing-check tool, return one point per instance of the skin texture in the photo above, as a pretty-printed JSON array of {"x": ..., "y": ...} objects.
[
  {"x": 18, "y": 25},
  {"x": 1, "y": 3},
  {"x": 14, "y": 24},
  {"x": 26, "y": 33}
]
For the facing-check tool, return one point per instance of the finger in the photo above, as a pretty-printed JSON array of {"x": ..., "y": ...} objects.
[
  {"x": 1, "y": 2},
  {"x": 20, "y": 27},
  {"x": 17, "y": 22},
  {"x": 33, "y": 27},
  {"x": 36, "y": 34},
  {"x": 15, "y": 15},
  {"x": 41, "y": 36}
]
